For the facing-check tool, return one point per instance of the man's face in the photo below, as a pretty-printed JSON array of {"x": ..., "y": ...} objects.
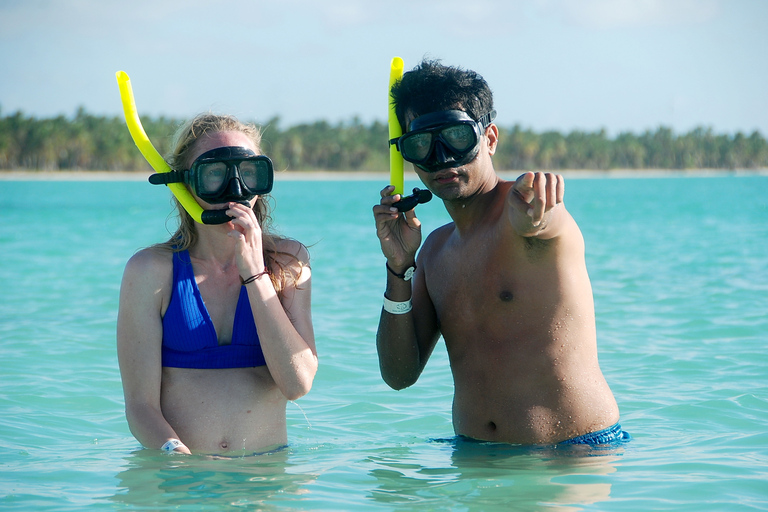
[{"x": 449, "y": 151}]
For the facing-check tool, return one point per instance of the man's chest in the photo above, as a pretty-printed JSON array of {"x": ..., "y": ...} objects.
[{"x": 485, "y": 280}]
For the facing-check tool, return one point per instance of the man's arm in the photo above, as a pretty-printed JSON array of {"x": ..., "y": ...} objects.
[
  {"x": 534, "y": 204},
  {"x": 404, "y": 339}
]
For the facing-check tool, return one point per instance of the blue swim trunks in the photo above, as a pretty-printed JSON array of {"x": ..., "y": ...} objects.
[{"x": 610, "y": 435}]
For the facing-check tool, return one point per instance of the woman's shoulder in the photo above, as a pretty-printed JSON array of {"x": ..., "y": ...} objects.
[
  {"x": 290, "y": 250},
  {"x": 152, "y": 262},
  {"x": 291, "y": 264}
]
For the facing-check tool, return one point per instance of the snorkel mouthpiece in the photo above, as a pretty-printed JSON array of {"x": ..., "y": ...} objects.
[{"x": 408, "y": 203}]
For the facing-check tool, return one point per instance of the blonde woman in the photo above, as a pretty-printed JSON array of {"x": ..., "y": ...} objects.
[{"x": 214, "y": 331}]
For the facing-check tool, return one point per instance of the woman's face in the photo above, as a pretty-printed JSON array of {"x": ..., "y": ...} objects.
[{"x": 220, "y": 140}]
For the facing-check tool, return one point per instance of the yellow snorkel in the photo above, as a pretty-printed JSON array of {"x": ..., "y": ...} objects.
[
  {"x": 156, "y": 160},
  {"x": 396, "y": 174},
  {"x": 396, "y": 177}
]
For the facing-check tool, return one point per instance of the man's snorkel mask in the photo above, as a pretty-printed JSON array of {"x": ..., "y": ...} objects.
[
  {"x": 223, "y": 175},
  {"x": 445, "y": 139}
]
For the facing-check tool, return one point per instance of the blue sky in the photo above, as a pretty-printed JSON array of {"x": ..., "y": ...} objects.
[{"x": 621, "y": 65}]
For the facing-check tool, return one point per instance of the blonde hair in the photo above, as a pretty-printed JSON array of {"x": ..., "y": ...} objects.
[{"x": 185, "y": 237}]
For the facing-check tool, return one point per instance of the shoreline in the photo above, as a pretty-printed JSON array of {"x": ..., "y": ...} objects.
[{"x": 26, "y": 175}]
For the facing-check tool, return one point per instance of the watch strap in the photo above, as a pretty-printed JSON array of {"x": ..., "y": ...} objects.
[{"x": 405, "y": 275}]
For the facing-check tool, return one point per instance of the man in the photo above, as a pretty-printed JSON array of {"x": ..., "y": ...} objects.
[{"x": 505, "y": 283}]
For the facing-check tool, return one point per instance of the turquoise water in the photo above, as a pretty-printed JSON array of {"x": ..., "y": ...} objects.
[{"x": 679, "y": 268}]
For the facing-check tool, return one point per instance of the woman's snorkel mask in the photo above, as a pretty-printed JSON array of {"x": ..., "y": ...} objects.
[
  {"x": 223, "y": 175},
  {"x": 176, "y": 180}
]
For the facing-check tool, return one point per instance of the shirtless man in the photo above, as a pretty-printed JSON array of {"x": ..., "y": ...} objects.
[{"x": 505, "y": 283}]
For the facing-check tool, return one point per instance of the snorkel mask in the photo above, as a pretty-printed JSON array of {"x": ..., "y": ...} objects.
[
  {"x": 139, "y": 136},
  {"x": 439, "y": 140},
  {"x": 223, "y": 175}
]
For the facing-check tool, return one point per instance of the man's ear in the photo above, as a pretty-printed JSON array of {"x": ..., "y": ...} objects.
[{"x": 492, "y": 133}]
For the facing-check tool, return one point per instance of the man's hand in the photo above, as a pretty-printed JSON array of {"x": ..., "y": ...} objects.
[
  {"x": 399, "y": 234},
  {"x": 535, "y": 194}
]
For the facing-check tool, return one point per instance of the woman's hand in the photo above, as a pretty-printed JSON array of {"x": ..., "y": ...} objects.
[{"x": 247, "y": 232}]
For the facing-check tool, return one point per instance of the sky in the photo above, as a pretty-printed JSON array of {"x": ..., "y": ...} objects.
[{"x": 618, "y": 65}]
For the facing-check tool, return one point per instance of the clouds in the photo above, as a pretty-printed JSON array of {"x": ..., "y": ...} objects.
[
  {"x": 553, "y": 64},
  {"x": 619, "y": 14}
]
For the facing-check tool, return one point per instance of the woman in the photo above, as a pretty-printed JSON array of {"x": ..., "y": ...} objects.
[{"x": 214, "y": 330}]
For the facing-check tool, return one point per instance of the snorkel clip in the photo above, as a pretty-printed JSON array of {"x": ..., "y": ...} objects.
[{"x": 164, "y": 178}]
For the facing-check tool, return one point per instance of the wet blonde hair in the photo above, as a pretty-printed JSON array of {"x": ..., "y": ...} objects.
[{"x": 183, "y": 145}]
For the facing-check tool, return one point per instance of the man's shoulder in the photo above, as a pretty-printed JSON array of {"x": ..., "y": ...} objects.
[
  {"x": 438, "y": 237},
  {"x": 435, "y": 244}
]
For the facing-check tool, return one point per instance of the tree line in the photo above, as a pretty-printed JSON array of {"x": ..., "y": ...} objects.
[{"x": 88, "y": 142}]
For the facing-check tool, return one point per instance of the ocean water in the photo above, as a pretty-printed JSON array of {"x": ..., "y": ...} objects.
[{"x": 679, "y": 268}]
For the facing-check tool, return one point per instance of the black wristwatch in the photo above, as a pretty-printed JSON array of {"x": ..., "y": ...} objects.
[{"x": 406, "y": 276}]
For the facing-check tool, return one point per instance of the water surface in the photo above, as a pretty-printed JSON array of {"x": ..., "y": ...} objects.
[{"x": 679, "y": 268}]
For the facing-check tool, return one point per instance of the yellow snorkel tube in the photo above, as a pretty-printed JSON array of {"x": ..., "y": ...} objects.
[
  {"x": 156, "y": 160},
  {"x": 396, "y": 163},
  {"x": 396, "y": 177}
]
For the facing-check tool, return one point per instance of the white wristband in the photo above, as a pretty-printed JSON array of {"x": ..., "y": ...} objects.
[
  {"x": 171, "y": 445},
  {"x": 397, "y": 308}
]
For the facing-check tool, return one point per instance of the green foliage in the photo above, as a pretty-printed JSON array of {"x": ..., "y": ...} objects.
[
  {"x": 661, "y": 149},
  {"x": 87, "y": 142}
]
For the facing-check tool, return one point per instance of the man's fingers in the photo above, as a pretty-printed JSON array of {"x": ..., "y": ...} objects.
[
  {"x": 539, "y": 202},
  {"x": 526, "y": 182},
  {"x": 387, "y": 191},
  {"x": 411, "y": 219},
  {"x": 551, "y": 191},
  {"x": 384, "y": 213}
]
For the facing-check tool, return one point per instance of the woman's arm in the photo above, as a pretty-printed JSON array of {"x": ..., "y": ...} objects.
[
  {"x": 284, "y": 323},
  {"x": 139, "y": 345}
]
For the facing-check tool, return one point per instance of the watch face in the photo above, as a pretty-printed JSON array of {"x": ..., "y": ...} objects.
[{"x": 409, "y": 273}]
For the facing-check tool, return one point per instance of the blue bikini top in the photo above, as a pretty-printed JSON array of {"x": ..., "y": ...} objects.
[{"x": 189, "y": 338}]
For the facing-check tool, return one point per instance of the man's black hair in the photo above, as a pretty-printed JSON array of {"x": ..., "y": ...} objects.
[{"x": 432, "y": 87}]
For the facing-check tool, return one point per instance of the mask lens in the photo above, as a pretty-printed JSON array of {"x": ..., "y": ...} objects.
[
  {"x": 416, "y": 146},
  {"x": 254, "y": 173},
  {"x": 460, "y": 137},
  {"x": 212, "y": 176}
]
